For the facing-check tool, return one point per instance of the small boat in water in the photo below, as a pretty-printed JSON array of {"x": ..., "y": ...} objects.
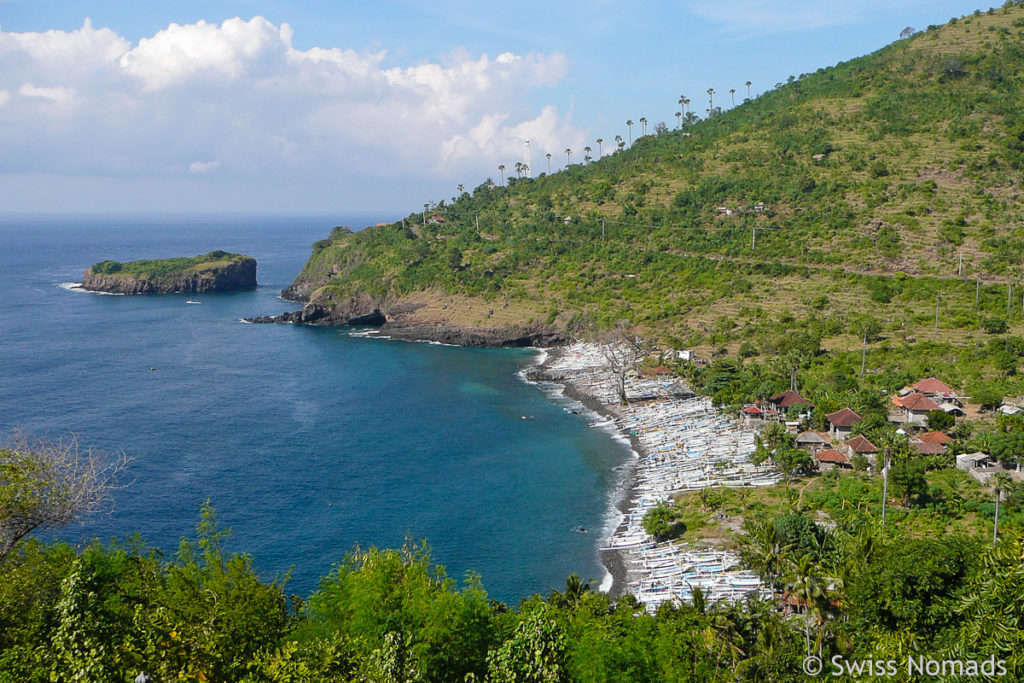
[{"x": 193, "y": 301}]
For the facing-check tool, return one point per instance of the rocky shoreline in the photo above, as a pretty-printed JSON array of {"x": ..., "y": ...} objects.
[{"x": 397, "y": 320}]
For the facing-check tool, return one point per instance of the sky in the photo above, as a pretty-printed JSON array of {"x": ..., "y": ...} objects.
[{"x": 128, "y": 106}]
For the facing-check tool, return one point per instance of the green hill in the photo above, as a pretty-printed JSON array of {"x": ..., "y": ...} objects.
[{"x": 887, "y": 186}]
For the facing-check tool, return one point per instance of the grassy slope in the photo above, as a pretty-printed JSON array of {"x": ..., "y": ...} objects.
[
  {"x": 158, "y": 269},
  {"x": 923, "y": 150}
]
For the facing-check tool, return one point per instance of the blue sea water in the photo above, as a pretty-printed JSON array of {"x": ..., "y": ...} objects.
[{"x": 307, "y": 441}]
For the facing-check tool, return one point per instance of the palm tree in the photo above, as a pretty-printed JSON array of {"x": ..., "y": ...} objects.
[
  {"x": 643, "y": 122},
  {"x": 748, "y": 84},
  {"x": 679, "y": 119},
  {"x": 618, "y": 142},
  {"x": 586, "y": 154},
  {"x": 1000, "y": 482},
  {"x": 629, "y": 125},
  {"x": 805, "y": 581},
  {"x": 686, "y": 102},
  {"x": 461, "y": 188},
  {"x": 711, "y": 101},
  {"x": 548, "y": 155},
  {"x": 682, "y": 104},
  {"x": 519, "y": 169},
  {"x": 600, "y": 149},
  {"x": 732, "y": 94},
  {"x": 568, "y": 156},
  {"x": 501, "y": 169}
]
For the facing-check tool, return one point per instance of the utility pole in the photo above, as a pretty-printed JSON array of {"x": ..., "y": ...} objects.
[
  {"x": 885, "y": 484},
  {"x": 995, "y": 527}
]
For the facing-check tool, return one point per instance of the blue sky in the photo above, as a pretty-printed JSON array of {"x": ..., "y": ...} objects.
[{"x": 262, "y": 105}]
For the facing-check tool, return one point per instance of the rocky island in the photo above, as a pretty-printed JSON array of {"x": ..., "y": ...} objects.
[{"x": 217, "y": 271}]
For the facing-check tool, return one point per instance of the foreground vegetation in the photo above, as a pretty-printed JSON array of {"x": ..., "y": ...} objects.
[{"x": 109, "y": 612}]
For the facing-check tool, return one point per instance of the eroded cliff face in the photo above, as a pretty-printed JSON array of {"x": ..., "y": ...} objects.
[
  {"x": 407, "y": 318},
  {"x": 233, "y": 276}
]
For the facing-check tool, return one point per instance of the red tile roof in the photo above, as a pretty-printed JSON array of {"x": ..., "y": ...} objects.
[
  {"x": 919, "y": 403},
  {"x": 936, "y": 437},
  {"x": 831, "y": 455},
  {"x": 843, "y": 418},
  {"x": 860, "y": 444},
  {"x": 933, "y": 386},
  {"x": 788, "y": 398},
  {"x": 753, "y": 410},
  {"x": 925, "y": 448}
]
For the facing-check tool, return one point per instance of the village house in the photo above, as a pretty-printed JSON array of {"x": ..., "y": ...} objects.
[
  {"x": 860, "y": 445},
  {"x": 841, "y": 422},
  {"x": 830, "y": 459},
  {"x": 913, "y": 409},
  {"x": 812, "y": 442},
  {"x": 788, "y": 398}
]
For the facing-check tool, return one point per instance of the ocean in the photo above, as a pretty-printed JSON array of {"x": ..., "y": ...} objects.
[{"x": 309, "y": 442}]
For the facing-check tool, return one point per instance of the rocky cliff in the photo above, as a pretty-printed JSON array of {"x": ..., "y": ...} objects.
[{"x": 213, "y": 272}]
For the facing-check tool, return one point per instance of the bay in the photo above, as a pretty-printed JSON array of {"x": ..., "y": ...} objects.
[{"x": 307, "y": 441}]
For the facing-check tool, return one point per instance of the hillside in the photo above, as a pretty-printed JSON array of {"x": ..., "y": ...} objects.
[{"x": 877, "y": 199}]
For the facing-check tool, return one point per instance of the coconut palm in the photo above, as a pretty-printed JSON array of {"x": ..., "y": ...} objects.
[
  {"x": 748, "y": 84},
  {"x": 461, "y": 188},
  {"x": 629, "y": 125},
  {"x": 600, "y": 148},
  {"x": 568, "y": 156},
  {"x": 732, "y": 95},
  {"x": 679, "y": 119},
  {"x": 682, "y": 105},
  {"x": 643, "y": 122},
  {"x": 501, "y": 169},
  {"x": 548, "y": 156},
  {"x": 618, "y": 142},
  {"x": 586, "y": 154},
  {"x": 711, "y": 101}
]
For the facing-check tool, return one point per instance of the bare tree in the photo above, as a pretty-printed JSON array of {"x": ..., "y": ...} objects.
[
  {"x": 622, "y": 349},
  {"x": 45, "y": 484}
]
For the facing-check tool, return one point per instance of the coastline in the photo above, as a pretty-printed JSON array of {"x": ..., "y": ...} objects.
[
  {"x": 614, "y": 561},
  {"x": 680, "y": 443}
]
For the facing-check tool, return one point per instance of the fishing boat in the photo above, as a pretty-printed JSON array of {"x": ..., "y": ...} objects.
[{"x": 193, "y": 301}]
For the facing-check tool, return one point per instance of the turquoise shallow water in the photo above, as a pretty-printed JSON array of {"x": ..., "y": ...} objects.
[{"x": 308, "y": 441}]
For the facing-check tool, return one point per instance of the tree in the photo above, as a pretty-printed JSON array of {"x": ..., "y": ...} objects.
[
  {"x": 732, "y": 95},
  {"x": 660, "y": 522},
  {"x": 748, "y": 84},
  {"x": 629, "y": 125},
  {"x": 867, "y": 328},
  {"x": 600, "y": 148},
  {"x": 44, "y": 485},
  {"x": 621, "y": 349},
  {"x": 643, "y": 122},
  {"x": 568, "y": 156},
  {"x": 711, "y": 101},
  {"x": 586, "y": 154},
  {"x": 679, "y": 119},
  {"x": 548, "y": 156},
  {"x": 940, "y": 420},
  {"x": 501, "y": 169},
  {"x": 908, "y": 479}
]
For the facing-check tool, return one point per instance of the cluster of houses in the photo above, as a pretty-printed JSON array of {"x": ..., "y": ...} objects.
[{"x": 837, "y": 448}]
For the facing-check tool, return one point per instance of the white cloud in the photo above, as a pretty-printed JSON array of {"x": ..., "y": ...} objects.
[
  {"x": 203, "y": 166},
  {"x": 58, "y": 94},
  {"x": 239, "y": 92}
]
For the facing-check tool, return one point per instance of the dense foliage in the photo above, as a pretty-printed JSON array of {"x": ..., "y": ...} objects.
[
  {"x": 109, "y": 612},
  {"x": 156, "y": 268}
]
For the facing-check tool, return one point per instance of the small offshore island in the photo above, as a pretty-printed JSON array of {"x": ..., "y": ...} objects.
[{"x": 217, "y": 271}]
